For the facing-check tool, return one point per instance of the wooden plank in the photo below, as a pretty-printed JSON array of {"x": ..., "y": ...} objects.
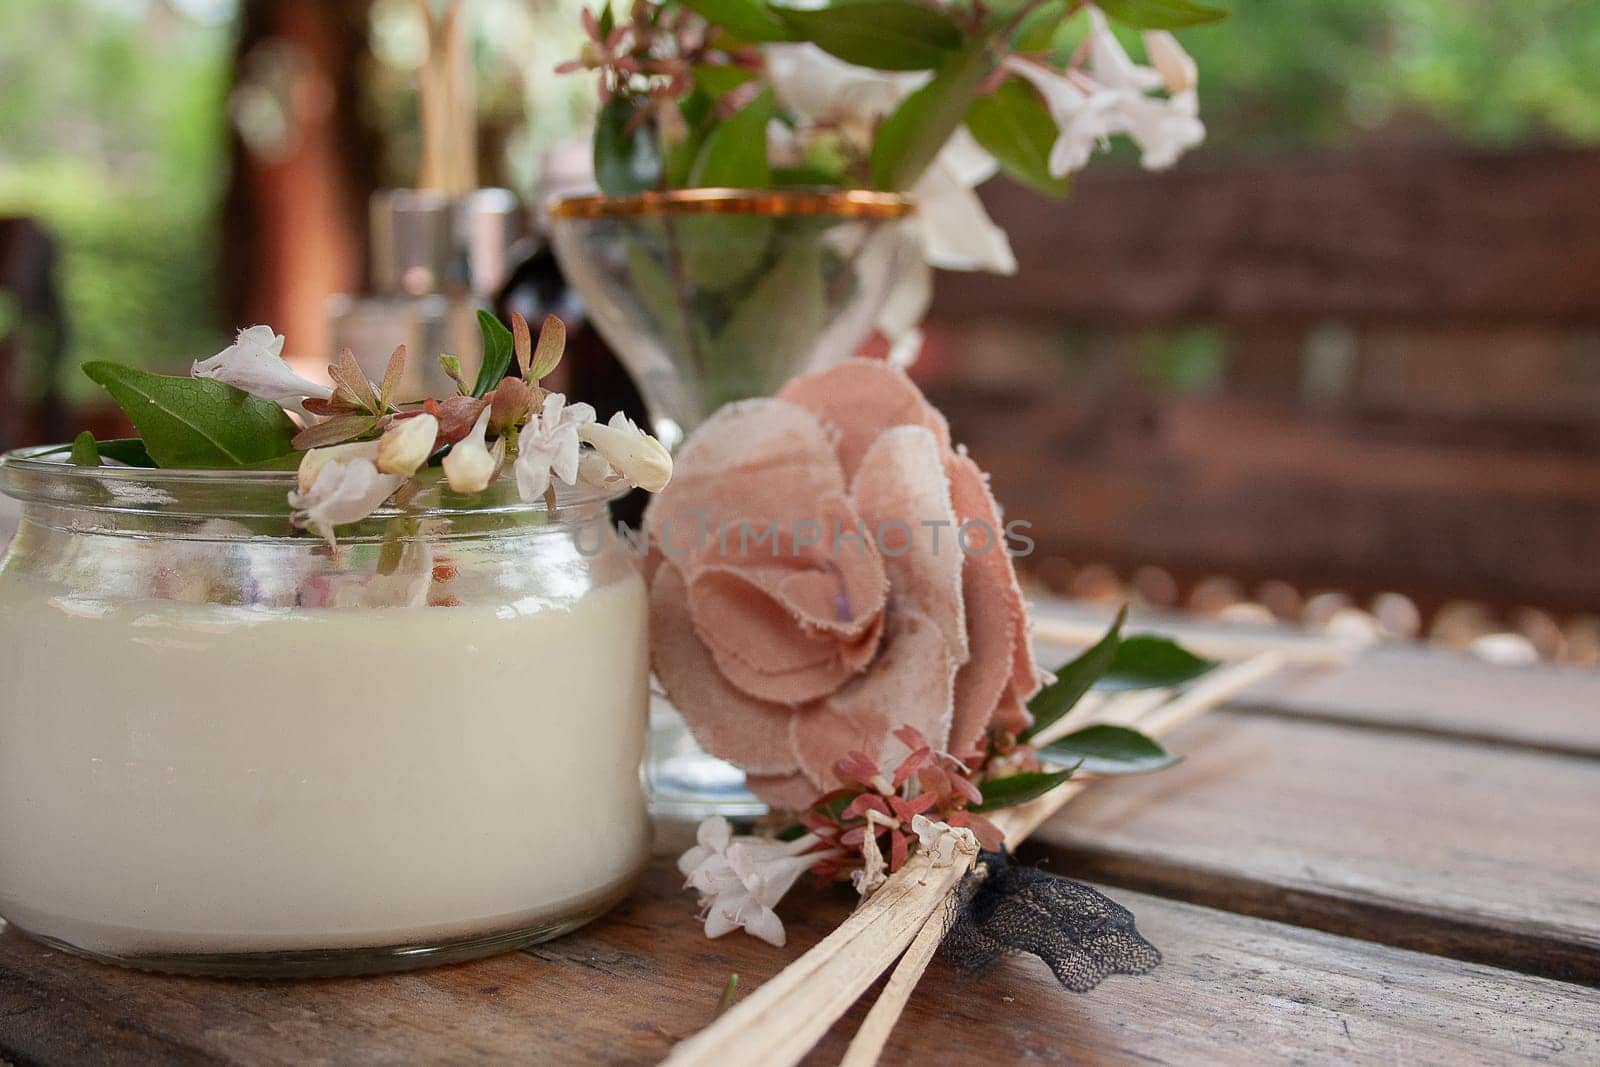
[
  {"x": 1398, "y": 686},
  {"x": 1231, "y": 988},
  {"x": 1455, "y": 848},
  {"x": 1482, "y": 236}
]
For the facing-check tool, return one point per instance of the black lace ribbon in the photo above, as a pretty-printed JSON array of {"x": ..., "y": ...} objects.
[{"x": 1081, "y": 934}]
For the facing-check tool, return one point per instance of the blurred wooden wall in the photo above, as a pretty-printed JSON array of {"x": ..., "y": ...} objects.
[{"x": 1407, "y": 394}]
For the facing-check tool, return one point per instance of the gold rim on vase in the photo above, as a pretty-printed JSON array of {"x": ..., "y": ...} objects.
[{"x": 834, "y": 203}]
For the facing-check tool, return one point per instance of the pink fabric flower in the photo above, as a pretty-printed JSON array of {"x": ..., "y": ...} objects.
[{"x": 810, "y": 592}]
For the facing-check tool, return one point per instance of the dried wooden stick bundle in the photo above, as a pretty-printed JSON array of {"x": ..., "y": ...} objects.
[
  {"x": 780, "y": 1022},
  {"x": 867, "y": 1045},
  {"x": 1301, "y": 649},
  {"x": 447, "y": 104}
]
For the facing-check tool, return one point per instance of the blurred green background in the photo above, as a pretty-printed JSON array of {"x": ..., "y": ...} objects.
[{"x": 115, "y": 119}]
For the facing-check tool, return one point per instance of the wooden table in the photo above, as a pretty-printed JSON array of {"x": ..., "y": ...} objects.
[{"x": 1394, "y": 861}]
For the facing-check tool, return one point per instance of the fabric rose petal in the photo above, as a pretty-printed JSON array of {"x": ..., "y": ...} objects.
[
  {"x": 255, "y": 363},
  {"x": 808, "y": 590}
]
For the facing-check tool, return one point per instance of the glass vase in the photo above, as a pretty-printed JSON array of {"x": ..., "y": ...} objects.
[{"x": 709, "y": 296}]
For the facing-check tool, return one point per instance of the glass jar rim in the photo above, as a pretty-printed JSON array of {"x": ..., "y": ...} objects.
[{"x": 43, "y": 474}]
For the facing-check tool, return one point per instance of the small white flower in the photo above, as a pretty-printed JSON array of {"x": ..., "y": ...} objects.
[
  {"x": 639, "y": 459},
  {"x": 315, "y": 459},
  {"x": 549, "y": 444},
  {"x": 1112, "y": 97},
  {"x": 1084, "y": 117},
  {"x": 942, "y": 842},
  {"x": 254, "y": 363},
  {"x": 408, "y": 444},
  {"x": 822, "y": 92},
  {"x": 828, "y": 96},
  {"x": 741, "y": 879},
  {"x": 342, "y": 491},
  {"x": 470, "y": 466},
  {"x": 1163, "y": 129},
  {"x": 956, "y": 231},
  {"x": 1109, "y": 62}
]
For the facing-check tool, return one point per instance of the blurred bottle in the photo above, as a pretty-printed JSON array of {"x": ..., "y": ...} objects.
[{"x": 435, "y": 263}]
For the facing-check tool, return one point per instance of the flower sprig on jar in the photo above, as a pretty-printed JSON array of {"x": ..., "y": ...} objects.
[{"x": 356, "y": 447}]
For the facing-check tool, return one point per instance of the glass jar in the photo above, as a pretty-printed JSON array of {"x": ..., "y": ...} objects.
[{"x": 229, "y": 748}]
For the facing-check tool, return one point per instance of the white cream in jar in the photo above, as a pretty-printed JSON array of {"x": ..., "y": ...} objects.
[{"x": 179, "y": 778}]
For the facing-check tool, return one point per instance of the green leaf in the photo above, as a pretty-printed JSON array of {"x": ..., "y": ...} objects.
[
  {"x": 498, "y": 348},
  {"x": 653, "y": 287},
  {"x": 678, "y": 155},
  {"x": 625, "y": 160},
  {"x": 735, "y": 155},
  {"x": 287, "y": 462},
  {"x": 771, "y": 325},
  {"x": 750, "y": 20},
  {"x": 804, "y": 176},
  {"x": 720, "y": 251},
  {"x": 196, "y": 422},
  {"x": 1015, "y": 127},
  {"x": 1037, "y": 29},
  {"x": 129, "y": 450},
  {"x": 1161, "y": 14},
  {"x": 714, "y": 79},
  {"x": 1074, "y": 679},
  {"x": 84, "y": 453},
  {"x": 1146, "y": 661},
  {"x": 1020, "y": 788},
  {"x": 1107, "y": 749},
  {"x": 912, "y": 136},
  {"x": 882, "y": 34}
]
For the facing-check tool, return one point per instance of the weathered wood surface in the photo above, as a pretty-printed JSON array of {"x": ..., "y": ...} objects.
[
  {"x": 1477, "y": 236},
  {"x": 1392, "y": 686},
  {"x": 623, "y": 990},
  {"x": 1456, "y": 848}
]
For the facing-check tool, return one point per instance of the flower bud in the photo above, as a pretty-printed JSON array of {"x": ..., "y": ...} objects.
[
  {"x": 317, "y": 458},
  {"x": 469, "y": 467},
  {"x": 632, "y": 453},
  {"x": 408, "y": 445},
  {"x": 509, "y": 405}
]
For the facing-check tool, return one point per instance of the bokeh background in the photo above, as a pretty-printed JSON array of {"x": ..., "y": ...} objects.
[{"x": 1340, "y": 368}]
